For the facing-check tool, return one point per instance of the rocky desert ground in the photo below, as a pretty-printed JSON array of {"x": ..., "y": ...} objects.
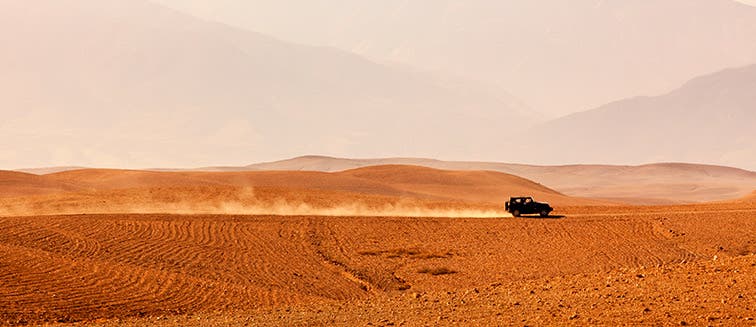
[{"x": 383, "y": 246}]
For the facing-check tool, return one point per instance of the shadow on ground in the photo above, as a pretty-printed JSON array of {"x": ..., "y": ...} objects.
[{"x": 539, "y": 217}]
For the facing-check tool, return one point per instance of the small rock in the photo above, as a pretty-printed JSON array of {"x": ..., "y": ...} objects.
[{"x": 574, "y": 316}]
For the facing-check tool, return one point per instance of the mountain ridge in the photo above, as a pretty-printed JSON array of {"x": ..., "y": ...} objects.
[
  {"x": 707, "y": 117},
  {"x": 585, "y": 52},
  {"x": 135, "y": 84}
]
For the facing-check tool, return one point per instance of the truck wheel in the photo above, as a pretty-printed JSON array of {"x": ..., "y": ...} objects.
[
  {"x": 544, "y": 213},
  {"x": 516, "y": 213}
]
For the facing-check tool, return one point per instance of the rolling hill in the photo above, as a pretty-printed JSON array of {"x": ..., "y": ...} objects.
[
  {"x": 644, "y": 184},
  {"x": 391, "y": 190},
  {"x": 14, "y": 184},
  {"x": 389, "y": 180},
  {"x": 660, "y": 183}
]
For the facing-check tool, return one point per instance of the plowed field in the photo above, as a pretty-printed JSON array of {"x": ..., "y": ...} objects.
[{"x": 598, "y": 265}]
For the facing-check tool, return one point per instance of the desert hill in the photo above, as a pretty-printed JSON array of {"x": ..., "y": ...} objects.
[
  {"x": 48, "y": 170},
  {"x": 208, "y": 93},
  {"x": 559, "y": 56},
  {"x": 20, "y": 184},
  {"x": 393, "y": 180},
  {"x": 476, "y": 186},
  {"x": 661, "y": 183},
  {"x": 394, "y": 190},
  {"x": 643, "y": 184},
  {"x": 708, "y": 119},
  {"x": 99, "y": 179}
]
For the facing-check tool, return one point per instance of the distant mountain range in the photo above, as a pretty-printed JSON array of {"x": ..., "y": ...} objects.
[
  {"x": 132, "y": 83},
  {"x": 559, "y": 56},
  {"x": 710, "y": 119}
]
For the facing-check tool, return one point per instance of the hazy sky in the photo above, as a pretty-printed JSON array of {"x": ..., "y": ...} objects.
[{"x": 607, "y": 50}]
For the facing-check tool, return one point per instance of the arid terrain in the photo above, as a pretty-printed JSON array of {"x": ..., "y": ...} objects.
[
  {"x": 659, "y": 183},
  {"x": 385, "y": 245},
  {"x": 350, "y": 163}
]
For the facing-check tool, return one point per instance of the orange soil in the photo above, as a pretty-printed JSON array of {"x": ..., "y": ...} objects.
[
  {"x": 751, "y": 198},
  {"x": 89, "y": 267},
  {"x": 118, "y": 267},
  {"x": 14, "y": 184},
  {"x": 704, "y": 293}
]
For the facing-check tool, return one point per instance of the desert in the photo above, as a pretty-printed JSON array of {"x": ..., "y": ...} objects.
[
  {"x": 377, "y": 163},
  {"x": 379, "y": 245}
]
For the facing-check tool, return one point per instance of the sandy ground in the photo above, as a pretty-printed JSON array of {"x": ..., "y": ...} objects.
[
  {"x": 100, "y": 252},
  {"x": 619, "y": 266}
]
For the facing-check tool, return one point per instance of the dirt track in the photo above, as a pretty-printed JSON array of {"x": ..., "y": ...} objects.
[{"x": 235, "y": 268}]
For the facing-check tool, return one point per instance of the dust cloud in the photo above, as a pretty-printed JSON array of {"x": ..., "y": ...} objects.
[
  {"x": 238, "y": 202},
  {"x": 284, "y": 208}
]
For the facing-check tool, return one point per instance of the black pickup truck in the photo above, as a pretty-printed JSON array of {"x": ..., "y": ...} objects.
[{"x": 524, "y": 205}]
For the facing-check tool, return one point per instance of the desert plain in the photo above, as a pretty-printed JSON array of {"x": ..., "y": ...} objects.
[{"x": 387, "y": 245}]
